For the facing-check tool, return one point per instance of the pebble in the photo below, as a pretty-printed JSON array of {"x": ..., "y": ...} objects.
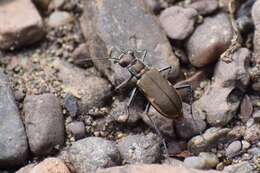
[
  {"x": 123, "y": 32},
  {"x": 13, "y": 142},
  {"x": 44, "y": 123},
  {"x": 178, "y": 22},
  {"x": 254, "y": 151},
  {"x": 90, "y": 89},
  {"x": 233, "y": 149},
  {"x": 211, "y": 159},
  {"x": 89, "y": 154},
  {"x": 245, "y": 145},
  {"x": 195, "y": 162},
  {"x": 139, "y": 148},
  {"x": 71, "y": 105},
  {"x": 154, "y": 6},
  {"x": 208, "y": 140},
  {"x": 77, "y": 129},
  {"x": 20, "y": 24},
  {"x": 59, "y": 18},
  {"x": 252, "y": 133},
  {"x": 246, "y": 109},
  {"x": 204, "y": 7},
  {"x": 209, "y": 40}
]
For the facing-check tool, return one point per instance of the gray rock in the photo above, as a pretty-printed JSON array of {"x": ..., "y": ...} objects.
[
  {"x": 164, "y": 124},
  {"x": 254, "y": 151},
  {"x": 88, "y": 88},
  {"x": 178, "y": 22},
  {"x": 256, "y": 19},
  {"x": 77, "y": 129},
  {"x": 208, "y": 140},
  {"x": 210, "y": 158},
  {"x": 189, "y": 124},
  {"x": 44, "y": 123},
  {"x": 153, "y": 5},
  {"x": 107, "y": 25},
  {"x": 20, "y": 24},
  {"x": 71, "y": 105},
  {"x": 139, "y": 148},
  {"x": 245, "y": 145},
  {"x": 81, "y": 56},
  {"x": 252, "y": 133},
  {"x": 221, "y": 99},
  {"x": 91, "y": 153},
  {"x": 204, "y": 7},
  {"x": 209, "y": 40},
  {"x": 243, "y": 167},
  {"x": 119, "y": 112},
  {"x": 203, "y": 161},
  {"x": 195, "y": 162},
  {"x": 233, "y": 149},
  {"x": 59, "y": 18},
  {"x": 13, "y": 142}
]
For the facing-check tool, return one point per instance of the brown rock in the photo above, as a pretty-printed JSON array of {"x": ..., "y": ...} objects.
[
  {"x": 50, "y": 165},
  {"x": 246, "y": 109},
  {"x": 20, "y": 24},
  {"x": 204, "y": 7},
  {"x": 107, "y": 25},
  {"x": 178, "y": 22},
  {"x": 209, "y": 40},
  {"x": 142, "y": 168}
]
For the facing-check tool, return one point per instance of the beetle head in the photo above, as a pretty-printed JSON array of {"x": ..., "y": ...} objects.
[{"x": 126, "y": 58}]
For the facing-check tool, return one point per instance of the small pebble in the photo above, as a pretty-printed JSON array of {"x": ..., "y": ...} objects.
[
  {"x": 233, "y": 149},
  {"x": 77, "y": 129}
]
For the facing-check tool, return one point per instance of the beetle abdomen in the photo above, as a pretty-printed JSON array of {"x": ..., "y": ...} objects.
[{"x": 160, "y": 93}]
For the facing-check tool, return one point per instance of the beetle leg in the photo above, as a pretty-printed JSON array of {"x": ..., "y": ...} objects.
[
  {"x": 130, "y": 101},
  {"x": 147, "y": 108},
  {"x": 124, "y": 83},
  {"x": 165, "y": 68}
]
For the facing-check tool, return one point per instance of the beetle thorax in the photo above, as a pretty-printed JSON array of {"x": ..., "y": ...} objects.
[{"x": 137, "y": 68}]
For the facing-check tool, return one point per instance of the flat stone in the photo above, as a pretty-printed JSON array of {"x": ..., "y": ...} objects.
[
  {"x": 13, "y": 142},
  {"x": 91, "y": 153},
  {"x": 139, "y": 148},
  {"x": 90, "y": 89},
  {"x": 44, "y": 123},
  {"x": 178, "y": 22},
  {"x": 209, "y": 40},
  {"x": 107, "y": 25},
  {"x": 20, "y": 24}
]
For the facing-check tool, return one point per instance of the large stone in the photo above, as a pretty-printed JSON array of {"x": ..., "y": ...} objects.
[
  {"x": 140, "y": 148},
  {"x": 178, "y": 22},
  {"x": 148, "y": 168},
  {"x": 91, "y": 153},
  {"x": 13, "y": 142},
  {"x": 256, "y": 19},
  {"x": 44, "y": 123},
  {"x": 20, "y": 24},
  {"x": 209, "y": 40},
  {"x": 126, "y": 25},
  {"x": 90, "y": 89},
  {"x": 222, "y": 97}
]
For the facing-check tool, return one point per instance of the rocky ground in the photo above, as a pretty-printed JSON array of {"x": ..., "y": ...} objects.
[{"x": 59, "y": 111}]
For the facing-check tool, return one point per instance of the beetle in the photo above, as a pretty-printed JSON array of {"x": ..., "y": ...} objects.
[{"x": 159, "y": 92}]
